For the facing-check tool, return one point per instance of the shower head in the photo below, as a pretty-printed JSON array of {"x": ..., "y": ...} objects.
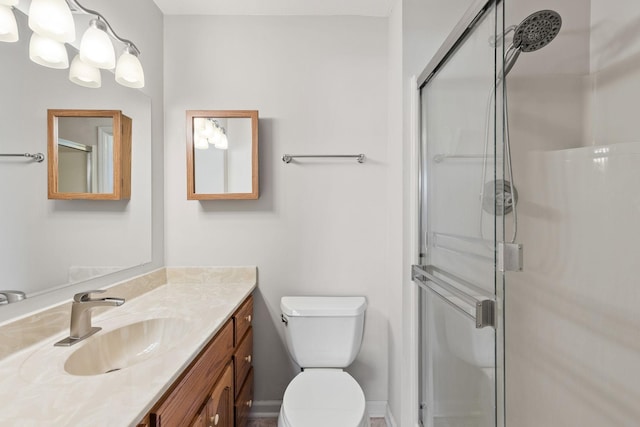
[
  {"x": 537, "y": 30},
  {"x": 534, "y": 32}
]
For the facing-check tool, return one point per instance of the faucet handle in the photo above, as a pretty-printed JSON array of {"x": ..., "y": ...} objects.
[{"x": 84, "y": 296}]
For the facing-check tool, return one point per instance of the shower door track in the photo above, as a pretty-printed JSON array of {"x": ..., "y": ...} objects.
[{"x": 465, "y": 26}]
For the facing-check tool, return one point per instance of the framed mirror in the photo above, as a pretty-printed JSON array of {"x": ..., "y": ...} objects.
[
  {"x": 89, "y": 154},
  {"x": 222, "y": 154}
]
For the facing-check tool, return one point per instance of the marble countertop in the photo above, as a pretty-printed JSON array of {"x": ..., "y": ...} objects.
[{"x": 37, "y": 391}]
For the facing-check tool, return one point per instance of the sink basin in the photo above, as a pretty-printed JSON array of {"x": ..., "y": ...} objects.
[{"x": 126, "y": 346}]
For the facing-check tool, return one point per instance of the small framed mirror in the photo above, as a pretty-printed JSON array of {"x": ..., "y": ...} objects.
[
  {"x": 89, "y": 154},
  {"x": 222, "y": 154}
]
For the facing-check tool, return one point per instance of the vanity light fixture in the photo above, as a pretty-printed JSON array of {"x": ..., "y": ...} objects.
[
  {"x": 53, "y": 25},
  {"x": 48, "y": 52},
  {"x": 129, "y": 69},
  {"x": 52, "y": 19},
  {"x": 220, "y": 140},
  {"x": 209, "y": 131},
  {"x": 8, "y": 24},
  {"x": 96, "y": 48},
  {"x": 84, "y": 74}
]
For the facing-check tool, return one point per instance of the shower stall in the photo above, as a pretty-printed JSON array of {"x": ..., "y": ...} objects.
[{"x": 468, "y": 214}]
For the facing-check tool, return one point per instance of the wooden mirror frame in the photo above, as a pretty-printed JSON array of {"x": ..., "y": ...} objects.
[
  {"x": 191, "y": 180},
  {"x": 122, "y": 126}
]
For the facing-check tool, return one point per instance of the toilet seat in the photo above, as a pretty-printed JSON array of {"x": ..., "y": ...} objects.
[{"x": 321, "y": 398}]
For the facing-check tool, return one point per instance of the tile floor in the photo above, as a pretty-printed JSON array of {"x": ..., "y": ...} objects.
[{"x": 271, "y": 422}]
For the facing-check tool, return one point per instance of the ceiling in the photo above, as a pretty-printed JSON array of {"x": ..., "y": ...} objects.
[{"x": 276, "y": 7}]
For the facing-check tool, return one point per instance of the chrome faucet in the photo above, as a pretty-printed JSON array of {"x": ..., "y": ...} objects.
[{"x": 81, "y": 316}]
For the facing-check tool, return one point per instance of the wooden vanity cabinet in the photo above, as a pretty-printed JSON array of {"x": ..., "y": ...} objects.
[
  {"x": 218, "y": 410},
  {"x": 242, "y": 362},
  {"x": 216, "y": 390}
]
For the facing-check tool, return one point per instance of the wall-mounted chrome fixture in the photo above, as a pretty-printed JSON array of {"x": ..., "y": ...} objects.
[
  {"x": 209, "y": 131},
  {"x": 9, "y": 297},
  {"x": 38, "y": 157},
  {"x": 53, "y": 25},
  {"x": 288, "y": 157}
]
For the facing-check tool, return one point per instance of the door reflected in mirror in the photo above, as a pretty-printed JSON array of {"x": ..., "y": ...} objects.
[
  {"x": 222, "y": 155},
  {"x": 87, "y": 159},
  {"x": 85, "y": 154}
]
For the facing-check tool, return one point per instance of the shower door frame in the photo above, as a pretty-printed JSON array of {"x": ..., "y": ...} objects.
[{"x": 456, "y": 38}]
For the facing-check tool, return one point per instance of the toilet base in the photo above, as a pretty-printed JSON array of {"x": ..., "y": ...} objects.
[{"x": 323, "y": 398}]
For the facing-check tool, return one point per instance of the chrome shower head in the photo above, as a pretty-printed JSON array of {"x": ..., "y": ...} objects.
[
  {"x": 537, "y": 30},
  {"x": 534, "y": 32}
]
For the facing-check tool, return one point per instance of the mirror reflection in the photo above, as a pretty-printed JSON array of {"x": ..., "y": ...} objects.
[
  {"x": 89, "y": 154},
  {"x": 222, "y": 154},
  {"x": 49, "y": 244},
  {"x": 85, "y": 154}
]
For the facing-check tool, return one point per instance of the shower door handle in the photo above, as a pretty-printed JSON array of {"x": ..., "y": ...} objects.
[{"x": 483, "y": 312}]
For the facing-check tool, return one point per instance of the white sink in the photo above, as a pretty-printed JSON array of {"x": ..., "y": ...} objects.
[{"x": 126, "y": 346}]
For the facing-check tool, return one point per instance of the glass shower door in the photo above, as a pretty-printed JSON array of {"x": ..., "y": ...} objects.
[{"x": 464, "y": 199}]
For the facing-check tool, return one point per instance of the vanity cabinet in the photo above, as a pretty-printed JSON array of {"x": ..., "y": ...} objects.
[
  {"x": 216, "y": 390},
  {"x": 218, "y": 411},
  {"x": 242, "y": 359}
]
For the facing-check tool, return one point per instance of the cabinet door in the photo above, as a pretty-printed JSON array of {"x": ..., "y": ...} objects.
[
  {"x": 244, "y": 401},
  {"x": 220, "y": 406},
  {"x": 242, "y": 359},
  {"x": 201, "y": 419}
]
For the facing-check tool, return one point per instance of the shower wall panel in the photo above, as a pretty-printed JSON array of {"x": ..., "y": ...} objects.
[{"x": 572, "y": 315}]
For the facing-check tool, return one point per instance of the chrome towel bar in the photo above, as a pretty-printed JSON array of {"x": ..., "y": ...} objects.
[
  {"x": 288, "y": 157},
  {"x": 483, "y": 309},
  {"x": 38, "y": 157}
]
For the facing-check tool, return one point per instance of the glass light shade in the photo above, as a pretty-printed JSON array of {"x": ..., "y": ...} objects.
[
  {"x": 96, "y": 48},
  {"x": 208, "y": 129},
  {"x": 52, "y": 18},
  {"x": 48, "y": 52},
  {"x": 83, "y": 74},
  {"x": 8, "y": 25},
  {"x": 129, "y": 71},
  {"x": 200, "y": 143},
  {"x": 222, "y": 143}
]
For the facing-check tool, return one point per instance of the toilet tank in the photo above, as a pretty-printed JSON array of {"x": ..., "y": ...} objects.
[{"x": 323, "y": 332}]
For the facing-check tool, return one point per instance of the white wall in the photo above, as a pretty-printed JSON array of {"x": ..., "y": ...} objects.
[{"x": 319, "y": 227}]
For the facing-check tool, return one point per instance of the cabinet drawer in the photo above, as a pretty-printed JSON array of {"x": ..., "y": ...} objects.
[
  {"x": 244, "y": 402},
  {"x": 243, "y": 358},
  {"x": 182, "y": 404},
  {"x": 242, "y": 319}
]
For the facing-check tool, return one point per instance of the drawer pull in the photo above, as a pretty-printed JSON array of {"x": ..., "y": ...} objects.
[
  {"x": 248, "y": 318},
  {"x": 248, "y": 358},
  {"x": 215, "y": 420},
  {"x": 249, "y": 403}
]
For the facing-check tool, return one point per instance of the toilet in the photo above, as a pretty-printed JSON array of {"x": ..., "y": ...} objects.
[{"x": 323, "y": 335}]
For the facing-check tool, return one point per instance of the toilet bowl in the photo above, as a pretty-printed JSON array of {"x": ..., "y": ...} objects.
[
  {"x": 323, "y": 336},
  {"x": 321, "y": 398}
]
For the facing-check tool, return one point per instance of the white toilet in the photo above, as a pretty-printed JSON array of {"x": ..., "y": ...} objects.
[{"x": 323, "y": 336}]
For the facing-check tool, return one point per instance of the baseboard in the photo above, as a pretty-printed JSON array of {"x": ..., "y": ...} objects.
[
  {"x": 376, "y": 408},
  {"x": 265, "y": 409},
  {"x": 388, "y": 418},
  {"x": 271, "y": 409}
]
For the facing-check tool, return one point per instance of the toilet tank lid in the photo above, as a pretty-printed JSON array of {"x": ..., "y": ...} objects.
[{"x": 323, "y": 306}]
